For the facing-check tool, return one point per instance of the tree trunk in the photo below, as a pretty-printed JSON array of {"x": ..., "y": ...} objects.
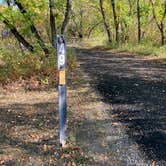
[
  {"x": 139, "y": 21},
  {"x": 115, "y": 21},
  {"x": 80, "y": 30},
  {"x": 162, "y": 34},
  {"x": 160, "y": 24},
  {"x": 67, "y": 16},
  {"x": 52, "y": 24},
  {"x": 18, "y": 36},
  {"x": 33, "y": 28},
  {"x": 131, "y": 7},
  {"x": 104, "y": 21}
]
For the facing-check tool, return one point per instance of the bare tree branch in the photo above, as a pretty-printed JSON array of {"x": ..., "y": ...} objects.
[
  {"x": 33, "y": 28},
  {"x": 52, "y": 23},
  {"x": 116, "y": 22},
  {"x": 104, "y": 21},
  {"x": 67, "y": 15},
  {"x": 18, "y": 36},
  {"x": 160, "y": 24}
]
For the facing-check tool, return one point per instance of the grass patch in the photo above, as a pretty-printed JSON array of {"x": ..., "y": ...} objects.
[
  {"x": 143, "y": 49},
  {"x": 71, "y": 59},
  {"x": 138, "y": 49},
  {"x": 146, "y": 48}
]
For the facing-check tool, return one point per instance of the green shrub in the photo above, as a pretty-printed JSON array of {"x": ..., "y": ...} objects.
[{"x": 25, "y": 64}]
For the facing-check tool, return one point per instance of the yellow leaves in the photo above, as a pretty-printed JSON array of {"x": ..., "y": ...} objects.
[
  {"x": 2, "y": 8},
  {"x": 45, "y": 147},
  {"x": 63, "y": 156},
  {"x": 72, "y": 164}
]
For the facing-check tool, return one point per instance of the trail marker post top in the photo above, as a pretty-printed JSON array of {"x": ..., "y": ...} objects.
[
  {"x": 61, "y": 49},
  {"x": 62, "y": 99}
]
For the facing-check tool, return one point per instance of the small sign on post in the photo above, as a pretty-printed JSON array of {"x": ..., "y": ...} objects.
[{"x": 61, "y": 53}]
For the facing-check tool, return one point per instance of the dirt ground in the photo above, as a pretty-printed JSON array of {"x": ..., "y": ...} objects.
[
  {"x": 116, "y": 116},
  {"x": 135, "y": 89}
]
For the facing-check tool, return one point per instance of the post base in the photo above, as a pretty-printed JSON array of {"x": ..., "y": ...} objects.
[{"x": 63, "y": 144}]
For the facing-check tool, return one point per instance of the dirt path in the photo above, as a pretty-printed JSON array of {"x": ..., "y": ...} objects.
[
  {"x": 135, "y": 89},
  {"x": 116, "y": 116}
]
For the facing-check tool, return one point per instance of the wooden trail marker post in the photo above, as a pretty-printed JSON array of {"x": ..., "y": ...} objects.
[{"x": 62, "y": 89}]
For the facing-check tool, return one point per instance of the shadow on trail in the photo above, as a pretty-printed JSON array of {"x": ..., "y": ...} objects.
[
  {"x": 136, "y": 90},
  {"x": 29, "y": 135},
  {"x": 30, "y": 124}
]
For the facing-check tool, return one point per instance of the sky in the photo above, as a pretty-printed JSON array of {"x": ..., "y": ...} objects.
[{"x": 1, "y": 1}]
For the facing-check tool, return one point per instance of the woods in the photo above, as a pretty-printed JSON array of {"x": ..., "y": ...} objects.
[
  {"x": 132, "y": 21},
  {"x": 32, "y": 27},
  {"x": 124, "y": 24},
  {"x": 124, "y": 21}
]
